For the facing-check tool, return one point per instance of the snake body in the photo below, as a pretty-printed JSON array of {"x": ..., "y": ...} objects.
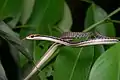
[
  {"x": 67, "y": 37},
  {"x": 70, "y": 35}
]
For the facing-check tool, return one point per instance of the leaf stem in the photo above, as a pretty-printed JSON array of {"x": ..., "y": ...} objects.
[{"x": 101, "y": 21}]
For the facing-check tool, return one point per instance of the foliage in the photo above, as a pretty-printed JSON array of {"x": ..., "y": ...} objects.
[{"x": 19, "y": 18}]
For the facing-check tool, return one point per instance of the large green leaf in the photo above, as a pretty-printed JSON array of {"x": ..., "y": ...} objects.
[
  {"x": 12, "y": 23},
  {"x": 9, "y": 8},
  {"x": 95, "y": 14},
  {"x": 45, "y": 14},
  {"x": 15, "y": 54},
  {"x": 7, "y": 34},
  {"x": 98, "y": 50},
  {"x": 66, "y": 22},
  {"x": 28, "y": 6},
  {"x": 107, "y": 66},
  {"x": 27, "y": 44},
  {"x": 74, "y": 63}
]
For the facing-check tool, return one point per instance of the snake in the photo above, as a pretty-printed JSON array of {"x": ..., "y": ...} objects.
[{"x": 67, "y": 39}]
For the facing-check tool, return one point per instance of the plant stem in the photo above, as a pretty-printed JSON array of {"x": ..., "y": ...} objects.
[
  {"x": 114, "y": 21},
  {"x": 101, "y": 21}
]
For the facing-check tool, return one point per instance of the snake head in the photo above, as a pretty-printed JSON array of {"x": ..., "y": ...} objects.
[{"x": 32, "y": 36}]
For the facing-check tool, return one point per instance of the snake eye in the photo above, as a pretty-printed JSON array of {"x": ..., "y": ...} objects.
[{"x": 33, "y": 35}]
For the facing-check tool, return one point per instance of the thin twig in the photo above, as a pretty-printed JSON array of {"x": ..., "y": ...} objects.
[
  {"x": 101, "y": 21},
  {"x": 114, "y": 21}
]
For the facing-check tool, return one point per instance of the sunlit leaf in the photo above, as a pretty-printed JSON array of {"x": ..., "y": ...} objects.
[
  {"x": 66, "y": 22},
  {"x": 107, "y": 66},
  {"x": 28, "y": 6}
]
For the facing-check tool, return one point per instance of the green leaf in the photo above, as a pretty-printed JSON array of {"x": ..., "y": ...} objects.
[
  {"x": 14, "y": 21},
  {"x": 46, "y": 72},
  {"x": 40, "y": 49},
  {"x": 26, "y": 69},
  {"x": 9, "y": 54},
  {"x": 9, "y": 8},
  {"x": 107, "y": 66},
  {"x": 98, "y": 50},
  {"x": 66, "y": 22},
  {"x": 45, "y": 14},
  {"x": 27, "y": 9},
  {"x": 7, "y": 34},
  {"x": 15, "y": 54},
  {"x": 95, "y": 14},
  {"x": 73, "y": 63},
  {"x": 2, "y": 73},
  {"x": 27, "y": 44}
]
